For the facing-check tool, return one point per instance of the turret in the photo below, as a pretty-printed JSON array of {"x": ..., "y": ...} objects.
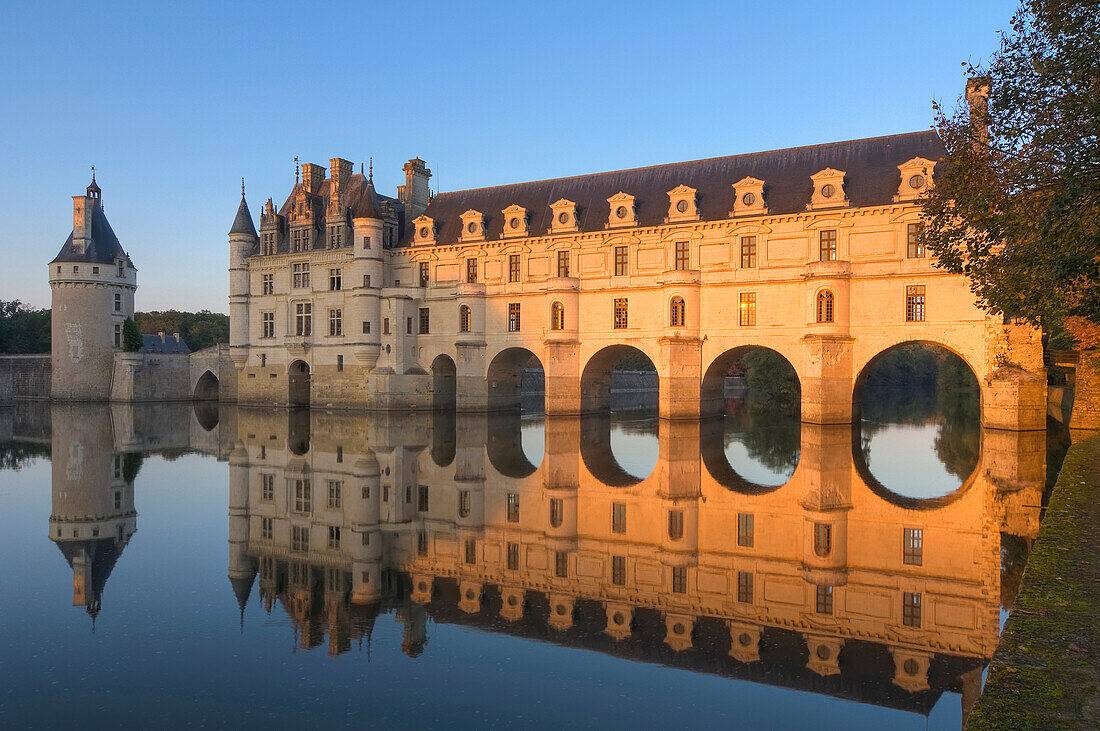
[
  {"x": 367, "y": 275},
  {"x": 242, "y": 242}
]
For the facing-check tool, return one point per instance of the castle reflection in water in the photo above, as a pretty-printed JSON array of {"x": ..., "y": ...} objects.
[{"x": 828, "y": 582}]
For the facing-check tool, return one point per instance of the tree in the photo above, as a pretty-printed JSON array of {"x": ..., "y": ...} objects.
[
  {"x": 198, "y": 329},
  {"x": 1017, "y": 209},
  {"x": 23, "y": 329},
  {"x": 131, "y": 336}
]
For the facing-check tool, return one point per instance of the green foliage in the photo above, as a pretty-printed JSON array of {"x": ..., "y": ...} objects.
[
  {"x": 131, "y": 465},
  {"x": 1017, "y": 206},
  {"x": 771, "y": 433},
  {"x": 771, "y": 378},
  {"x": 23, "y": 329},
  {"x": 198, "y": 329},
  {"x": 17, "y": 455},
  {"x": 131, "y": 336}
]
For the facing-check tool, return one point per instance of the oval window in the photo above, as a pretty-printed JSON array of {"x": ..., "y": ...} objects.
[
  {"x": 424, "y": 232},
  {"x": 563, "y": 217},
  {"x": 620, "y": 212},
  {"x": 682, "y": 206},
  {"x": 514, "y": 223},
  {"x": 471, "y": 227},
  {"x": 748, "y": 199},
  {"x": 828, "y": 190},
  {"x": 916, "y": 181}
]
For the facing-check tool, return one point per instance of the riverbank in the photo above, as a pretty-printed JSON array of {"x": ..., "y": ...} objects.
[{"x": 1046, "y": 671}]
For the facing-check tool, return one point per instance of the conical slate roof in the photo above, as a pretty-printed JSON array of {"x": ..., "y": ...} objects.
[
  {"x": 104, "y": 247},
  {"x": 242, "y": 224},
  {"x": 367, "y": 207}
]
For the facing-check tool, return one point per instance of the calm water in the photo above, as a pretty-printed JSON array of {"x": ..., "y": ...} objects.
[{"x": 188, "y": 567}]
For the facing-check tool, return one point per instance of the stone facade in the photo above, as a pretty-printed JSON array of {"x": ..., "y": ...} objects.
[{"x": 814, "y": 253}]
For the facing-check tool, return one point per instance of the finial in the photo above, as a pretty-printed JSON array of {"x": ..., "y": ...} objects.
[
  {"x": 360, "y": 167},
  {"x": 242, "y": 188},
  {"x": 371, "y": 176},
  {"x": 93, "y": 173},
  {"x": 296, "y": 170}
]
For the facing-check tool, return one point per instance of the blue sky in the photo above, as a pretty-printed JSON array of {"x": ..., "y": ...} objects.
[{"x": 173, "y": 104}]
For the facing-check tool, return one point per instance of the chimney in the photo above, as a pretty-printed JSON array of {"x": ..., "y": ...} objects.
[
  {"x": 161, "y": 334},
  {"x": 313, "y": 176},
  {"x": 341, "y": 170},
  {"x": 977, "y": 99},
  {"x": 414, "y": 194},
  {"x": 176, "y": 336},
  {"x": 83, "y": 209}
]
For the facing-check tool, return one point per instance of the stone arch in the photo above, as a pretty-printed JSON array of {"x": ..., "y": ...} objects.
[
  {"x": 596, "y": 377},
  {"x": 712, "y": 391},
  {"x": 206, "y": 388},
  {"x": 298, "y": 386},
  {"x": 903, "y": 501},
  {"x": 598, "y": 456},
  {"x": 864, "y": 369},
  {"x": 504, "y": 378},
  {"x": 444, "y": 380},
  {"x": 504, "y": 446},
  {"x": 712, "y": 450}
]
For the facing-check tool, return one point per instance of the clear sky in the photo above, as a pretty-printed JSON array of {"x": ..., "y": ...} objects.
[{"x": 173, "y": 104}]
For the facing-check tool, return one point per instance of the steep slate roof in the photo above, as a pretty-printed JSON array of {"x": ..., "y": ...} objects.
[
  {"x": 153, "y": 344},
  {"x": 367, "y": 207},
  {"x": 242, "y": 224},
  {"x": 872, "y": 178},
  {"x": 353, "y": 192},
  {"x": 103, "y": 249}
]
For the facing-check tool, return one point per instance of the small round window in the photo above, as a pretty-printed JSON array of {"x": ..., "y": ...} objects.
[
  {"x": 563, "y": 217},
  {"x": 682, "y": 206},
  {"x": 748, "y": 199},
  {"x": 828, "y": 191},
  {"x": 620, "y": 212},
  {"x": 514, "y": 223},
  {"x": 424, "y": 232},
  {"x": 471, "y": 227},
  {"x": 916, "y": 181}
]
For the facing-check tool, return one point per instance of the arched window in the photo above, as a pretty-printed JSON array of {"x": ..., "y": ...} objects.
[
  {"x": 557, "y": 316},
  {"x": 676, "y": 312},
  {"x": 464, "y": 319},
  {"x": 823, "y": 539},
  {"x": 675, "y": 524},
  {"x": 557, "y": 510},
  {"x": 824, "y": 306}
]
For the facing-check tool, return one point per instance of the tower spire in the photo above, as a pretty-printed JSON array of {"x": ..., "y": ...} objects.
[
  {"x": 242, "y": 188},
  {"x": 371, "y": 176},
  {"x": 296, "y": 170}
]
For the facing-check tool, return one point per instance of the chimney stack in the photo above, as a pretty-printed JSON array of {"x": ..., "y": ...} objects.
[
  {"x": 313, "y": 176},
  {"x": 83, "y": 209},
  {"x": 977, "y": 99},
  {"x": 414, "y": 194},
  {"x": 176, "y": 336}
]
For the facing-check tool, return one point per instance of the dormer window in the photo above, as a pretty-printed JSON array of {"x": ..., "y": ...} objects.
[
  {"x": 564, "y": 214},
  {"x": 425, "y": 230},
  {"x": 515, "y": 221},
  {"x": 623, "y": 212},
  {"x": 748, "y": 197},
  {"x": 473, "y": 225},
  {"x": 682, "y": 205},
  {"x": 916, "y": 179},
  {"x": 828, "y": 190},
  {"x": 121, "y": 269}
]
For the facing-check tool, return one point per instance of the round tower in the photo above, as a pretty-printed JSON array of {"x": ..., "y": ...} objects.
[
  {"x": 92, "y": 282},
  {"x": 242, "y": 242},
  {"x": 367, "y": 276}
]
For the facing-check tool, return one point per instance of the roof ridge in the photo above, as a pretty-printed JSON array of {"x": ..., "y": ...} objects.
[{"x": 686, "y": 162}]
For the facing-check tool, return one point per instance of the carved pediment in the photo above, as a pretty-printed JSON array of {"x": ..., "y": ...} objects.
[
  {"x": 682, "y": 204},
  {"x": 828, "y": 189},
  {"x": 916, "y": 178},
  {"x": 424, "y": 230},
  {"x": 515, "y": 220},
  {"x": 748, "y": 197},
  {"x": 473, "y": 225},
  {"x": 622, "y": 211},
  {"x": 565, "y": 216}
]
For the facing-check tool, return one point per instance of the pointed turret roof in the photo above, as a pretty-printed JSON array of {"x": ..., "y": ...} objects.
[
  {"x": 367, "y": 207},
  {"x": 242, "y": 224},
  {"x": 104, "y": 247}
]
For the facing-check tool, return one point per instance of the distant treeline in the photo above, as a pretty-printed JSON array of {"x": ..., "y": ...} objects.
[{"x": 24, "y": 329}]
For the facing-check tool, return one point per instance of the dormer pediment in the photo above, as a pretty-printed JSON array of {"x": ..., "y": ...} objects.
[
  {"x": 423, "y": 230},
  {"x": 748, "y": 197},
  {"x": 564, "y": 216},
  {"x": 473, "y": 226},
  {"x": 828, "y": 190},
  {"x": 515, "y": 221},
  {"x": 916, "y": 178},
  {"x": 622, "y": 210},
  {"x": 682, "y": 204}
]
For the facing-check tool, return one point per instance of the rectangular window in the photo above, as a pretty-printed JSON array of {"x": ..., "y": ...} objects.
[
  {"x": 561, "y": 564},
  {"x": 827, "y": 244},
  {"x": 269, "y": 243},
  {"x": 683, "y": 255},
  {"x": 619, "y": 319},
  {"x": 679, "y": 579},
  {"x": 336, "y": 322},
  {"x": 267, "y": 488},
  {"x": 513, "y": 507},
  {"x": 424, "y": 273},
  {"x": 268, "y": 324},
  {"x": 366, "y": 327},
  {"x": 513, "y": 267},
  {"x": 620, "y": 261},
  {"x": 745, "y": 530},
  {"x": 563, "y": 263},
  {"x": 339, "y": 367},
  {"x": 118, "y": 303},
  {"x": 267, "y": 528},
  {"x": 421, "y": 544},
  {"x": 334, "y": 537},
  {"x": 121, "y": 271},
  {"x": 464, "y": 503},
  {"x": 910, "y": 609},
  {"x": 824, "y": 600},
  {"x": 557, "y": 511},
  {"x": 513, "y": 317},
  {"x": 118, "y": 336},
  {"x": 366, "y": 242},
  {"x": 299, "y": 538},
  {"x": 912, "y": 541},
  {"x": 471, "y": 271},
  {"x": 335, "y": 279},
  {"x": 334, "y": 494},
  {"x": 408, "y": 326},
  {"x": 423, "y": 314},
  {"x": 471, "y": 551},
  {"x": 748, "y": 309},
  {"x": 303, "y": 496},
  {"x": 618, "y": 517},
  {"x": 748, "y": 252},
  {"x": 301, "y": 275},
  {"x": 914, "y": 240},
  {"x": 422, "y": 498},
  {"x": 513, "y": 557},
  {"x": 366, "y": 280},
  {"x": 95, "y": 270},
  {"x": 744, "y": 587},
  {"x": 263, "y": 360},
  {"x": 268, "y": 281},
  {"x": 675, "y": 524},
  {"x": 914, "y": 303},
  {"x": 303, "y": 318},
  {"x": 385, "y": 326},
  {"x": 618, "y": 570}
]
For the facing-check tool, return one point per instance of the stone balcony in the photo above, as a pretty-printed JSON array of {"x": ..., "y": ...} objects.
[
  {"x": 563, "y": 284},
  {"x": 470, "y": 289},
  {"x": 678, "y": 277},
  {"x": 832, "y": 269}
]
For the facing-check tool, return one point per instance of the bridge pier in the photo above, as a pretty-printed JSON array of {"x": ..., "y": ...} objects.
[
  {"x": 562, "y": 374},
  {"x": 1014, "y": 399},
  {"x": 826, "y": 378},
  {"x": 680, "y": 376}
]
